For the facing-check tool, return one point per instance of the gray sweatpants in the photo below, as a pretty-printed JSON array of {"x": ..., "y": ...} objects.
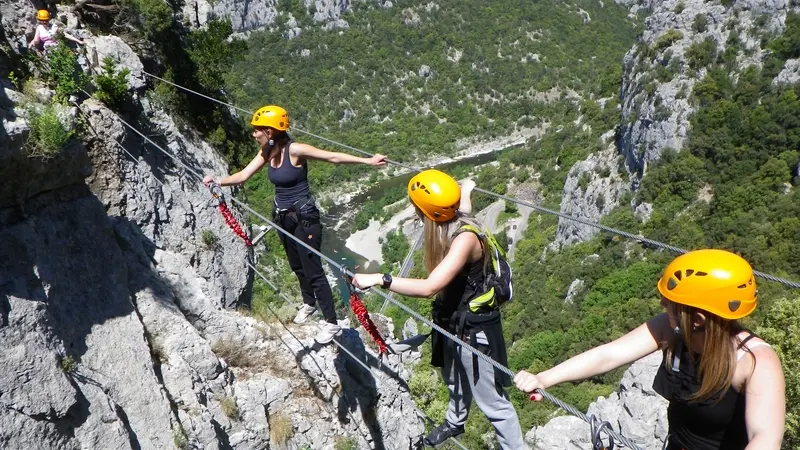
[{"x": 493, "y": 401}]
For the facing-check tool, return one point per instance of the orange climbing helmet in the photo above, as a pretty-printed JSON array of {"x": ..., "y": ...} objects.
[
  {"x": 43, "y": 14},
  {"x": 436, "y": 194},
  {"x": 271, "y": 116},
  {"x": 716, "y": 281}
]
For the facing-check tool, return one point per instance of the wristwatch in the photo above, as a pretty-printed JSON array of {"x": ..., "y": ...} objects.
[{"x": 387, "y": 281}]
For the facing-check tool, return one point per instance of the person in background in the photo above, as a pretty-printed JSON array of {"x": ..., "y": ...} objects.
[
  {"x": 46, "y": 34},
  {"x": 294, "y": 207},
  {"x": 455, "y": 262},
  {"x": 725, "y": 386}
]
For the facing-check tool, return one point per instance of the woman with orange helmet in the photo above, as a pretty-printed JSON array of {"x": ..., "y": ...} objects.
[
  {"x": 724, "y": 385},
  {"x": 455, "y": 262},
  {"x": 45, "y": 36},
  {"x": 294, "y": 207}
]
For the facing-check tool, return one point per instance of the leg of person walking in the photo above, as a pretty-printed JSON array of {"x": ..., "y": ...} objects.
[
  {"x": 295, "y": 263},
  {"x": 493, "y": 401},
  {"x": 460, "y": 399}
]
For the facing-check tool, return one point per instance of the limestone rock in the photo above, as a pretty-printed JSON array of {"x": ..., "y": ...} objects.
[
  {"x": 790, "y": 74},
  {"x": 634, "y": 410},
  {"x": 655, "y": 108},
  {"x": 591, "y": 190},
  {"x": 100, "y": 47}
]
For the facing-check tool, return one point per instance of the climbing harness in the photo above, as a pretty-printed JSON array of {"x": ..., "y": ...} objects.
[
  {"x": 596, "y": 426},
  {"x": 233, "y": 224},
  {"x": 358, "y": 308}
]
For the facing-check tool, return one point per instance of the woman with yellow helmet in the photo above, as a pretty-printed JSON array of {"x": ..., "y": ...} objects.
[
  {"x": 724, "y": 385},
  {"x": 46, "y": 33},
  {"x": 455, "y": 262},
  {"x": 294, "y": 207}
]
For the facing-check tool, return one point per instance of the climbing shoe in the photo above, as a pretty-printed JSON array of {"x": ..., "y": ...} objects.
[
  {"x": 304, "y": 313},
  {"x": 442, "y": 433},
  {"x": 328, "y": 332}
]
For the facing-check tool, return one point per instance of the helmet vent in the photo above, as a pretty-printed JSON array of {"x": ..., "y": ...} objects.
[
  {"x": 733, "y": 305},
  {"x": 701, "y": 274},
  {"x": 414, "y": 186},
  {"x": 427, "y": 191},
  {"x": 742, "y": 286},
  {"x": 672, "y": 284},
  {"x": 678, "y": 274},
  {"x": 689, "y": 272}
]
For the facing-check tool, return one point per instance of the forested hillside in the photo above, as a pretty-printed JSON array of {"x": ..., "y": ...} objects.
[{"x": 413, "y": 79}]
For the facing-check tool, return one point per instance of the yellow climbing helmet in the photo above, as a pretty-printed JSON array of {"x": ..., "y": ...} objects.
[
  {"x": 43, "y": 14},
  {"x": 436, "y": 194},
  {"x": 716, "y": 281},
  {"x": 271, "y": 116}
]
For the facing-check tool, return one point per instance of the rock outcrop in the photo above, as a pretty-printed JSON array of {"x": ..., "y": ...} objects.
[
  {"x": 659, "y": 74},
  {"x": 634, "y": 410},
  {"x": 116, "y": 293},
  {"x": 592, "y": 189},
  {"x": 248, "y": 15}
]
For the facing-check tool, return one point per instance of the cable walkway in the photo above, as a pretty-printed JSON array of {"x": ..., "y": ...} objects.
[
  {"x": 635, "y": 237},
  {"x": 342, "y": 269},
  {"x": 290, "y": 301}
]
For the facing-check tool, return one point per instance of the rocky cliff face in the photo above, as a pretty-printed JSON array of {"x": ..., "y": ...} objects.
[
  {"x": 660, "y": 74},
  {"x": 248, "y": 15},
  {"x": 115, "y": 312}
]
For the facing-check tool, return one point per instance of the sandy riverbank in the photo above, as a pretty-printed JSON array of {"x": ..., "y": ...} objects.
[{"x": 367, "y": 242}]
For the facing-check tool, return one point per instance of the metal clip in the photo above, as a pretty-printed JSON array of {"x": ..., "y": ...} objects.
[{"x": 596, "y": 427}]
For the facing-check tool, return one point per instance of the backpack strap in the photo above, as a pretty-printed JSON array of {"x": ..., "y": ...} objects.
[{"x": 486, "y": 249}]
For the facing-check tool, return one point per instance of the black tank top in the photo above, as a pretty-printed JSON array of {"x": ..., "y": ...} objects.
[
  {"x": 700, "y": 425},
  {"x": 291, "y": 183}
]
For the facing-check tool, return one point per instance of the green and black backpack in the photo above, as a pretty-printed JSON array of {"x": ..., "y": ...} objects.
[{"x": 497, "y": 289}]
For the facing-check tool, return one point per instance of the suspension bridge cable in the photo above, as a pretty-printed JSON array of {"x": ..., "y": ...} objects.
[
  {"x": 540, "y": 209},
  {"x": 410, "y": 311}
]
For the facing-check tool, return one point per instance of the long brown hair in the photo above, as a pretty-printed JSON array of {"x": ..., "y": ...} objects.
[{"x": 717, "y": 362}]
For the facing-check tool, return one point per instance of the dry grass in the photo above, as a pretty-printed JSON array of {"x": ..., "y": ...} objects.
[
  {"x": 236, "y": 355},
  {"x": 229, "y": 408},
  {"x": 281, "y": 429}
]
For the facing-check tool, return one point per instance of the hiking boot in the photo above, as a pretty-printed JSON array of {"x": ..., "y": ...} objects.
[
  {"x": 328, "y": 332},
  {"x": 442, "y": 433},
  {"x": 304, "y": 313}
]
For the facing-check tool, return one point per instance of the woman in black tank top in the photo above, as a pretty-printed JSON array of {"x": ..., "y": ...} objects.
[
  {"x": 455, "y": 261},
  {"x": 725, "y": 386},
  {"x": 294, "y": 207}
]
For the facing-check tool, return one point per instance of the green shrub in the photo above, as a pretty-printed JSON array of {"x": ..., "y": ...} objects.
[
  {"x": 112, "y": 85},
  {"x": 47, "y": 134},
  {"x": 701, "y": 54},
  {"x": 679, "y": 8},
  {"x": 667, "y": 39},
  {"x": 209, "y": 239},
  {"x": 700, "y": 23},
  {"x": 68, "y": 364},
  {"x": 156, "y": 16},
  {"x": 64, "y": 75},
  {"x": 179, "y": 438},
  {"x": 345, "y": 443}
]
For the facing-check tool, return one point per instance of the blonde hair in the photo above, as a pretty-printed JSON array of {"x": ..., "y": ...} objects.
[
  {"x": 717, "y": 362},
  {"x": 439, "y": 237}
]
